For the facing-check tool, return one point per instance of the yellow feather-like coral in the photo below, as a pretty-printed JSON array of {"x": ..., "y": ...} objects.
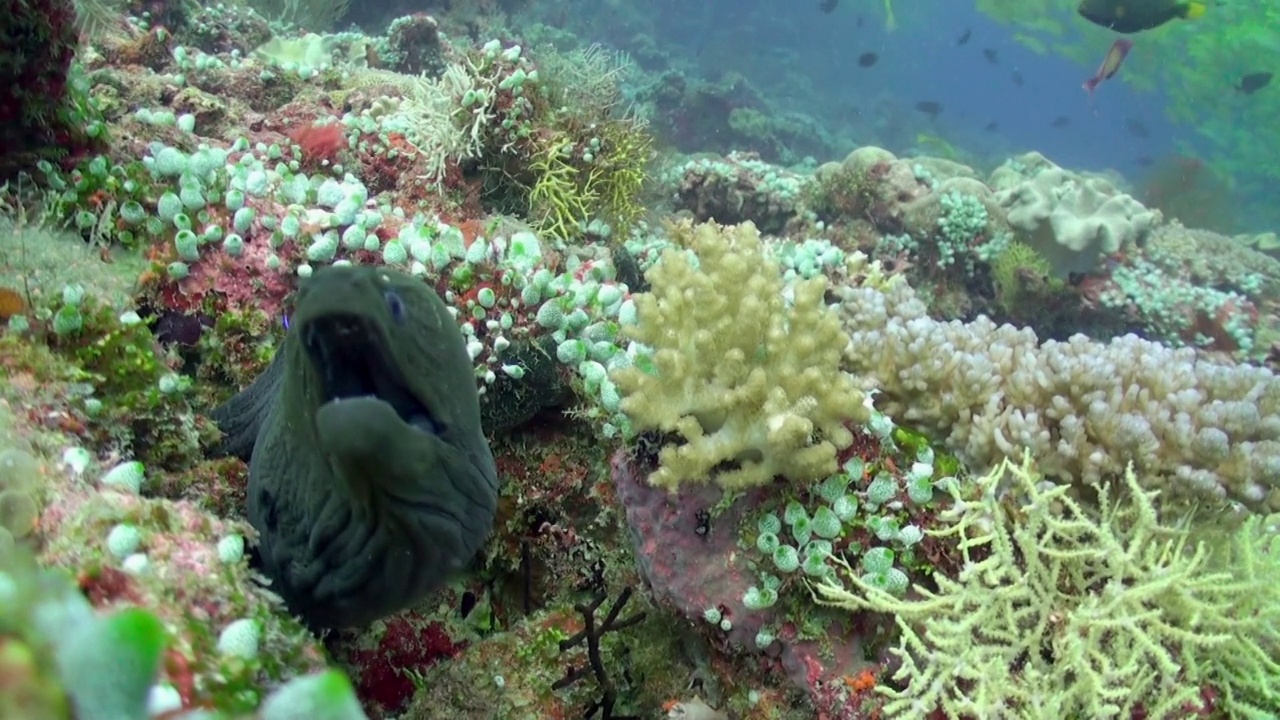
[{"x": 1064, "y": 610}]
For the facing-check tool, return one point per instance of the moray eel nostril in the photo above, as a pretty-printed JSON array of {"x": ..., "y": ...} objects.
[{"x": 370, "y": 478}]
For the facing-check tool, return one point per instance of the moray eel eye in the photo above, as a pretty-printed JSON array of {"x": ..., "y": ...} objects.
[
  {"x": 349, "y": 358},
  {"x": 395, "y": 306}
]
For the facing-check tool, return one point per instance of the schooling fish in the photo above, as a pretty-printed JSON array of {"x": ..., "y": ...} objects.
[
  {"x": 1137, "y": 128},
  {"x": 1110, "y": 64},
  {"x": 1253, "y": 82},
  {"x": 1131, "y": 16},
  {"x": 370, "y": 479},
  {"x": 929, "y": 107}
]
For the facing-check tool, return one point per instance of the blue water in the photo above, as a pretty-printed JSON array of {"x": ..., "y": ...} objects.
[
  {"x": 806, "y": 61},
  {"x": 918, "y": 63}
]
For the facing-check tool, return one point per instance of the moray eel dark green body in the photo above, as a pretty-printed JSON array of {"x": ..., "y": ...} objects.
[{"x": 370, "y": 479}]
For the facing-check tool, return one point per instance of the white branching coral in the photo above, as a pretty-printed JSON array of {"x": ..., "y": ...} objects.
[
  {"x": 744, "y": 368},
  {"x": 1064, "y": 610}
]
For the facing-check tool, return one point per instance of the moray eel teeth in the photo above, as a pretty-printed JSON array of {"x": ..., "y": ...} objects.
[{"x": 351, "y": 360}]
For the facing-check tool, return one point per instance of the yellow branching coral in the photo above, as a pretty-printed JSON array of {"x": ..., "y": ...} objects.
[
  {"x": 620, "y": 170},
  {"x": 569, "y": 190},
  {"x": 745, "y": 369},
  {"x": 1067, "y": 611},
  {"x": 559, "y": 202}
]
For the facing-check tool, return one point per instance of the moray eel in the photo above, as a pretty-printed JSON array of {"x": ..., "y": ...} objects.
[{"x": 370, "y": 478}]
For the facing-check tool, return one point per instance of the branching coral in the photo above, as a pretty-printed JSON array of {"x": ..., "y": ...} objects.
[
  {"x": 1064, "y": 611},
  {"x": 743, "y": 368},
  {"x": 559, "y": 200},
  {"x": 576, "y": 181},
  {"x": 553, "y": 146},
  {"x": 1194, "y": 428},
  {"x": 619, "y": 174}
]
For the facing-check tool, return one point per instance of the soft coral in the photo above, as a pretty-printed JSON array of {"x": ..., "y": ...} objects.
[
  {"x": 320, "y": 144},
  {"x": 41, "y": 40}
]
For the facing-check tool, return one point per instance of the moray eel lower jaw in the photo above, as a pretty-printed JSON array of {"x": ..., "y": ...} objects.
[{"x": 351, "y": 360}]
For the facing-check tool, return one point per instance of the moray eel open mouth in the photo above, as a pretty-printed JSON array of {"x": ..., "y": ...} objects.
[{"x": 349, "y": 357}]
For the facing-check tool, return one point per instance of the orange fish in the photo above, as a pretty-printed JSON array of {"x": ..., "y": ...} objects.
[
  {"x": 1110, "y": 64},
  {"x": 11, "y": 303}
]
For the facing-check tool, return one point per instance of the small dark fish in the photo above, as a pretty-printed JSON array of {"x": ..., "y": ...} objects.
[
  {"x": 991, "y": 55},
  {"x": 1136, "y": 128},
  {"x": 930, "y": 108},
  {"x": 868, "y": 59},
  {"x": 1110, "y": 64},
  {"x": 1253, "y": 82},
  {"x": 1060, "y": 122},
  {"x": 1145, "y": 161},
  {"x": 964, "y": 37},
  {"x": 992, "y": 126},
  {"x": 828, "y": 6},
  {"x": 1017, "y": 78},
  {"x": 858, "y": 23}
]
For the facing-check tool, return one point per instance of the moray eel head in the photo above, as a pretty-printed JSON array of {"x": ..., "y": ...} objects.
[
  {"x": 355, "y": 333},
  {"x": 370, "y": 477},
  {"x": 350, "y": 358}
]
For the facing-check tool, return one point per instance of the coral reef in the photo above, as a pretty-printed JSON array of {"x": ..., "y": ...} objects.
[
  {"x": 1084, "y": 409},
  {"x": 1071, "y": 220},
  {"x": 740, "y": 188},
  {"x": 713, "y": 386},
  {"x": 773, "y": 402},
  {"x": 42, "y": 102},
  {"x": 1063, "y": 610}
]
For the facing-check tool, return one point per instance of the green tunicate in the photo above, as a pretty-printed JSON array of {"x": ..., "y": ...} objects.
[
  {"x": 132, "y": 212},
  {"x": 353, "y": 238},
  {"x": 826, "y": 524},
  {"x": 114, "y": 660},
  {"x": 73, "y": 294},
  {"x": 571, "y": 352},
  {"x": 169, "y": 206},
  {"x": 68, "y": 320},
  {"x": 233, "y": 245},
  {"x": 243, "y": 219},
  {"x": 786, "y": 558},
  {"x": 187, "y": 245},
  {"x": 18, "y": 512}
]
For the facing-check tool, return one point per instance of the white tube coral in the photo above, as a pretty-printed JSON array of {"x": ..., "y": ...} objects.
[{"x": 1194, "y": 428}]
